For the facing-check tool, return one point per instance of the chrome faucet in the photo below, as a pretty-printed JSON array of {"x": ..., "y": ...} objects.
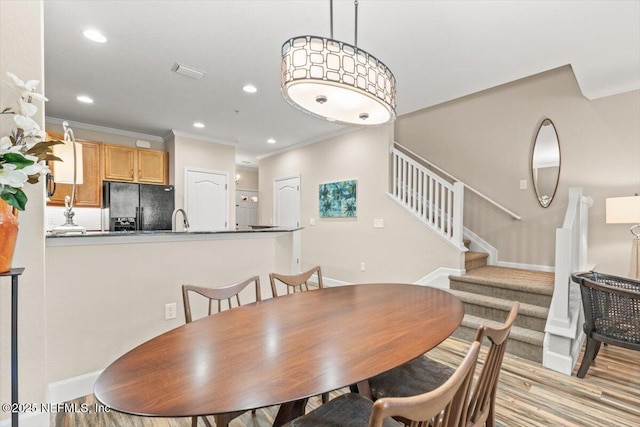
[{"x": 174, "y": 215}]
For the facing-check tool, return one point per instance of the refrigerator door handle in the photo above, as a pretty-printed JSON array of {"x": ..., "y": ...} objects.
[
  {"x": 141, "y": 218},
  {"x": 137, "y": 218}
]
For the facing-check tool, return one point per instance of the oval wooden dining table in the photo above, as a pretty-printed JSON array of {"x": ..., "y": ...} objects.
[{"x": 279, "y": 350}]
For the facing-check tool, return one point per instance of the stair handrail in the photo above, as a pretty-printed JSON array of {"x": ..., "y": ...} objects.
[{"x": 467, "y": 186}]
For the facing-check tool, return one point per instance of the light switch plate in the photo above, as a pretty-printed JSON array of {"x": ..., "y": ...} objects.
[
  {"x": 378, "y": 223},
  {"x": 312, "y": 221}
]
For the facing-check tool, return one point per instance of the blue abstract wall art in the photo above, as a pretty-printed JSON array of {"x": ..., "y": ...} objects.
[{"x": 338, "y": 199}]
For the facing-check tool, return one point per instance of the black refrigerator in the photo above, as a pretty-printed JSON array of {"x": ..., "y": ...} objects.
[{"x": 137, "y": 207}]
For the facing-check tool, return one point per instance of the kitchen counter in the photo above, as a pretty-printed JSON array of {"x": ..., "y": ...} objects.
[{"x": 118, "y": 237}]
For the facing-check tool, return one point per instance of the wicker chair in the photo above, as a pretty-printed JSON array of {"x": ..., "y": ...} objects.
[{"x": 611, "y": 311}]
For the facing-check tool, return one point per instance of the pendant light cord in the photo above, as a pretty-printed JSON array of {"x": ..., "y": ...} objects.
[
  {"x": 331, "y": 16},
  {"x": 356, "y": 36}
]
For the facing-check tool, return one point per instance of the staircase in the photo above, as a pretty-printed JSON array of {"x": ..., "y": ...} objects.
[
  {"x": 547, "y": 329},
  {"x": 488, "y": 293}
]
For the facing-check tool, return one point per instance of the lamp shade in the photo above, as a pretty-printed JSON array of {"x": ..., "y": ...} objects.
[
  {"x": 336, "y": 81},
  {"x": 63, "y": 171},
  {"x": 623, "y": 210}
]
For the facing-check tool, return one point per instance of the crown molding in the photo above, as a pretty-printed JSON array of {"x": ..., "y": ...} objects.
[
  {"x": 321, "y": 138},
  {"x": 174, "y": 132},
  {"x": 104, "y": 129}
]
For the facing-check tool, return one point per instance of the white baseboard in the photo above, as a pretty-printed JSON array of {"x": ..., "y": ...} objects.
[
  {"x": 480, "y": 245},
  {"x": 439, "y": 278},
  {"x": 329, "y": 282},
  {"x": 72, "y": 388},
  {"x": 35, "y": 419},
  {"x": 58, "y": 392},
  {"x": 535, "y": 267}
]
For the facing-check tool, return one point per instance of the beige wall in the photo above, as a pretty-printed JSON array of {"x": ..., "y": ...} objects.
[
  {"x": 248, "y": 179},
  {"x": 118, "y": 292},
  {"x": 21, "y": 53},
  {"x": 187, "y": 152},
  {"x": 486, "y": 140},
  {"x": 403, "y": 251}
]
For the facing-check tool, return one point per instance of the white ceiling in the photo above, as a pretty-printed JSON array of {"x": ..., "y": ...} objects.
[{"x": 437, "y": 50}]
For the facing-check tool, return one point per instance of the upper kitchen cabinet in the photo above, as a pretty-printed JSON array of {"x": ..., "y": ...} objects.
[
  {"x": 122, "y": 163},
  {"x": 119, "y": 163},
  {"x": 152, "y": 166},
  {"x": 89, "y": 193}
]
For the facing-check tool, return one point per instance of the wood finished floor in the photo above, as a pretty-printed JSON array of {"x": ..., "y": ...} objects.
[{"x": 528, "y": 395}]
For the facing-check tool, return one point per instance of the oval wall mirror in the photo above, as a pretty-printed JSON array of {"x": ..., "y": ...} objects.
[{"x": 545, "y": 163}]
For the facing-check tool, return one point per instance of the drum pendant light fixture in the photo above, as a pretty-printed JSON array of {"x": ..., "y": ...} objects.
[{"x": 336, "y": 81}]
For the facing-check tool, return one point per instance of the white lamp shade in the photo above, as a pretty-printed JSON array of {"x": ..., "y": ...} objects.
[
  {"x": 63, "y": 171},
  {"x": 623, "y": 210},
  {"x": 336, "y": 81}
]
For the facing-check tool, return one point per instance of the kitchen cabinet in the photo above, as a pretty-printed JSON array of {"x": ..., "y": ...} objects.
[
  {"x": 152, "y": 166},
  {"x": 119, "y": 162},
  {"x": 89, "y": 193},
  {"x": 122, "y": 163}
]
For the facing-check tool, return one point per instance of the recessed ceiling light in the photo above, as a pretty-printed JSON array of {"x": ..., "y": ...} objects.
[
  {"x": 85, "y": 99},
  {"x": 94, "y": 36},
  {"x": 271, "y": 141},
  {"x": 250, "y": 88},
  {"x": 198, "y": 125}
]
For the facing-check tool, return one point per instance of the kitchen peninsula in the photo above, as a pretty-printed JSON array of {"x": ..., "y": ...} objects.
[{"x": 111, "y": 289}]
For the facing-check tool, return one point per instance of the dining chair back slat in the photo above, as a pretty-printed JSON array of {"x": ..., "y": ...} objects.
[
  {"x": 481, "y": 407},
  {"x": 442, "y": 407},
  {"x": 218, "y": 295},
  {"x": 295, "y": 282}
]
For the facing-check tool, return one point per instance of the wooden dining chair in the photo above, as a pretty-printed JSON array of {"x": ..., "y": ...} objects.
[
  {"x": 296, "y": 282},
  {"x": 227, "y": 294},
  {"x": 443, "y": 407},
  {"x": 424, "y": 374},
  {"x": 218, "y": 295}
]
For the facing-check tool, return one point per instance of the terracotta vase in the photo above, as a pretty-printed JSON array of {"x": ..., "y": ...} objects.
[{"x": 8, "y": 235}]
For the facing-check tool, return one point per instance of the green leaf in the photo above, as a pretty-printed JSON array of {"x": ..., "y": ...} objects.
[
  {"x": 18, "y": 159},
  {"x": 16, "y": 199}
]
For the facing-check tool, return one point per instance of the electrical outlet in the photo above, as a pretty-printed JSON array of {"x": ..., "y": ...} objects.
[
  {"x": 523, "y": 184},
  {"x": 362, "y": 266},
  {"x": 170, "y": 311},
  {"x": 378, "y": 223}
]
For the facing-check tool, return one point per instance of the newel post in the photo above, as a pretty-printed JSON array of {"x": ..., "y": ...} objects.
[{"x": 458, "y": 209}]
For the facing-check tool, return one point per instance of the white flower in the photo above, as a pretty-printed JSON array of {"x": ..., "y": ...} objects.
[
  {"x": 35, "y": 168},
  {"x": 12, "y": 177},
  {"x": 5, "y": 144},
  {"x": 27, "y": 124},
  {"x": 27, "y": 108},
  {"x": 27, "y": 90}
]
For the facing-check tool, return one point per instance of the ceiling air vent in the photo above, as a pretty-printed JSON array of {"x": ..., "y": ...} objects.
[{"x": 187, "y": 71}]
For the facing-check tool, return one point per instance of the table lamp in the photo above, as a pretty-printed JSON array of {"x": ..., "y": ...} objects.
[
  {"x": 69, "y": 171},
  {"x": 626, "y": 210}
]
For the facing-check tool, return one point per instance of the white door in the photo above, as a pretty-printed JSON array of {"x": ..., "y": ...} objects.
[
  {"x": 206, "y": 199},
  {"x": 286, "y": 212},
  {"x": 287, "y": 202}
]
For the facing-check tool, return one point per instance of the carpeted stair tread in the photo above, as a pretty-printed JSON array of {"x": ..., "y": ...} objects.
[
  {"x": 501, "y": 304},
  {"x": 537, "y": 282},
  {"x": 517, "y": 333}
]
